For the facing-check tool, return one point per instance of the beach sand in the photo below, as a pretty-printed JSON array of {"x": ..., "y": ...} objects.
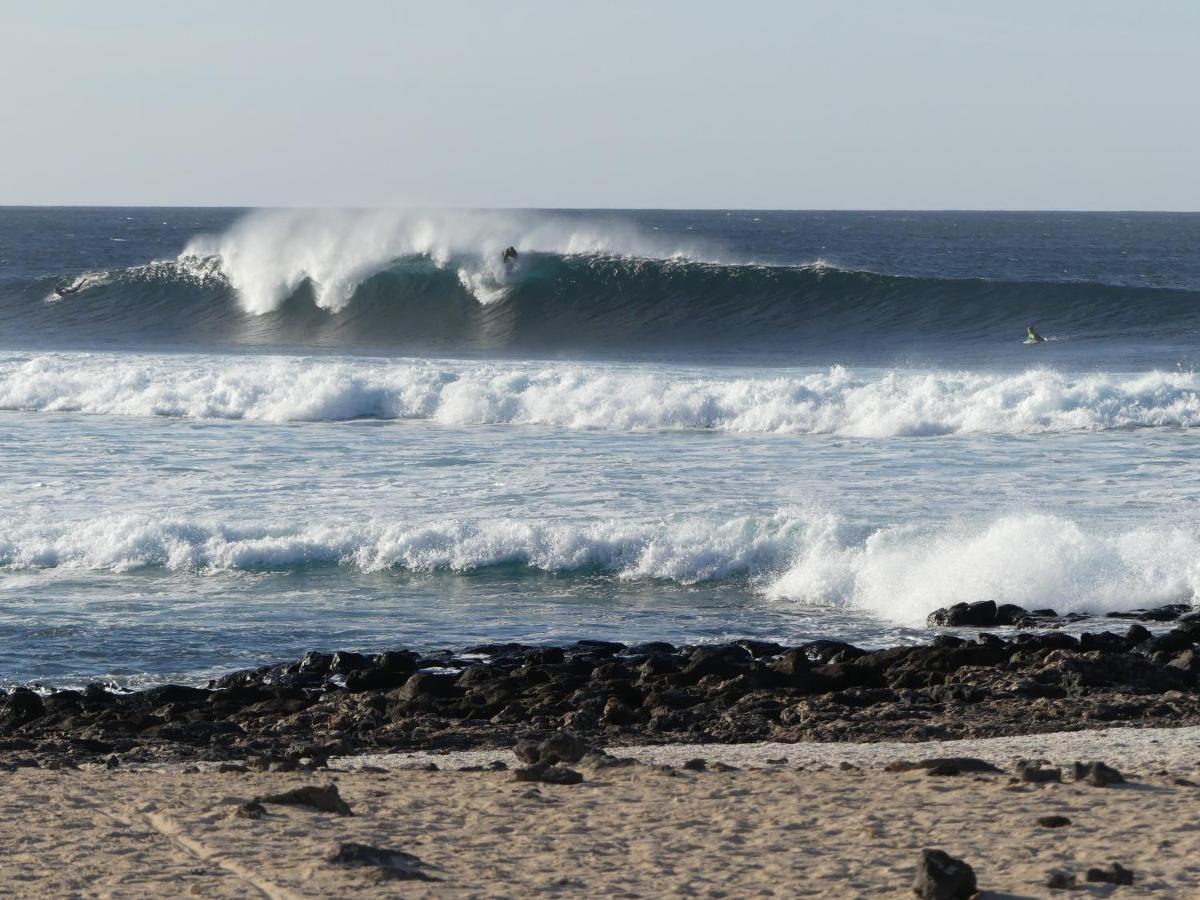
[{"x": 810, "y": 826}]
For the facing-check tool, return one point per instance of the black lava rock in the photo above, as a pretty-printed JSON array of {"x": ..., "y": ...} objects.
[
  {"x": 942, "y": 877},
  {"x": 548, "y": 774},
  {"x": 391, "y": 864},
  {"x": 1098, "y": 774},
  {"x": 1033, "y": 772},
  {"x": 323, "y": 799},
  {"x": 21, "y": 707},
  {"x": 1114, "y": 874},
  {"x": 1053, "y": 821}
]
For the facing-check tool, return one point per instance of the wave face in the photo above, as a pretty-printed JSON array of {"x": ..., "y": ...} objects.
[
  {"x": 608, "y": 398},
  {"x": 435, "y": 282},
  {"x": 898, "y": 573}
]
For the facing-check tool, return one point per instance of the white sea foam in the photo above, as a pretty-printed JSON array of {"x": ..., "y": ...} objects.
[
  {"x": 836, "y": 401},
  {"x": 268, "y": 254},
  {"x": 793, "y": 556},
  {"x": 1034, "y": 560}
]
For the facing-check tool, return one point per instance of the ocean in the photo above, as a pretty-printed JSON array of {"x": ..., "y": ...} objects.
[{"x": 231, "y": 436}]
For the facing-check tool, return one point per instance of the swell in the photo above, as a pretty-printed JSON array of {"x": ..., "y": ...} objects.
[
  {"x": 581, "y": 303},
  {"x": 797, "y": 556}
]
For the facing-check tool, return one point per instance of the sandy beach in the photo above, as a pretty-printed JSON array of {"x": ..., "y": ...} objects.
[{"x": 821, "y": 820}]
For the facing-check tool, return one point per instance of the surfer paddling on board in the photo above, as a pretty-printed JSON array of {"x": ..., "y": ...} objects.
[
  {"x": 1032, "y": 337},
  {"x": 509, "y": 257}
]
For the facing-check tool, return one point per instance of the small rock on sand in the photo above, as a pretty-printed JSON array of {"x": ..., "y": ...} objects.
[
  {"x": 1098, "y": 774},
  {"x": 944, "y": 763},
  {"x": 394, "y": 864},
  {"x": 548, "y": 774},
  {"x": 1060, "y": 879},
  {"x": 1053, "y": 821},
  {"x": 324, "y": 799},
  {"x": 1033, "y": 772},
  {"x": 1114, "y": 874},
  {"x": 942, "y": 877}
]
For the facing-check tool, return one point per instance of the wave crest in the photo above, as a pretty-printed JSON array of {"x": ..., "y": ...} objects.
[{"x": 269, "y": 254}]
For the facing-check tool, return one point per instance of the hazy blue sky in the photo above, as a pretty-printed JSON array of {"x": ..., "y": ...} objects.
[{"x": 1080, "y": 104}]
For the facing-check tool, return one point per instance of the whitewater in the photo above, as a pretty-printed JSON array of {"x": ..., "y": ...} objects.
[
  {"x": 232, "y": 436},
  {"x": 614, "y": 398}
]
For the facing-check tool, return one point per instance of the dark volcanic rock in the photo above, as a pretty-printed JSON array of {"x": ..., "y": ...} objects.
[
  {"x": 387, "y": 671},
  {"x": 725, "y": 661},
  {"x": 1033, "y": 772},
  {"x": 1053, "y": 821},
  {"x": 344, "y": 662},
  {"x": 548, "y": 774},
  {"x": 323, "y": 799},
  {"x": 251, "y": 809},
  {"x": 21, "y": 707},
  {"x": 1168, "y": 613},
  {"x": 300, "y": 713},
  {"x": 1098, "y": 774},
  {"x": 427, "y": 686},
  {"x": 563, "y": 747},
  {"x": 942, "y": 877},
  {"x": 984, "y": 614},
  {"x": 1114, "y": 874},
  {"x": 392, "y": 864},
  {"x": 958, "y": 763},
  {"x": 1060, "y": 880}
]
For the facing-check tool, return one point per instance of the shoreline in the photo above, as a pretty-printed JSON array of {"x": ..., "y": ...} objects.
[{"x": 1035, "y": 679}]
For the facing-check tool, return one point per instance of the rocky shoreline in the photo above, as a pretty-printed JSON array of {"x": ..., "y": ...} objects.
[{"x": 1034, "y": 678}]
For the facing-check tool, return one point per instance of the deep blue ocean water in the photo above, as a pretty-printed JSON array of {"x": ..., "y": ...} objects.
[{"x": 231, "y": 436}]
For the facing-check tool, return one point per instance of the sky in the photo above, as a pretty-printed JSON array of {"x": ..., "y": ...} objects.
[{"x": 876, "y": 104}]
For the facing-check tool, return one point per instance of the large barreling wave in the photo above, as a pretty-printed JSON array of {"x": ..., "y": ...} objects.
[{"x": 436, "y": 282}]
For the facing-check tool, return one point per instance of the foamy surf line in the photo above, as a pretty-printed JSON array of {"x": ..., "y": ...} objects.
[
  {"x": 836, "y": 401},
  {"x": 897, "y": 573}
]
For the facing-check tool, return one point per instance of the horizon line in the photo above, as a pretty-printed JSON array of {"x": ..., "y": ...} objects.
[{"x": 768, "y": 209}]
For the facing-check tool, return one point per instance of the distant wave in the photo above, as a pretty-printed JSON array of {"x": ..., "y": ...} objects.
[
  {"x": 611, "y": 398},
  {"x": 435, "y": 283},
  {"x": 798, "y": 556}
]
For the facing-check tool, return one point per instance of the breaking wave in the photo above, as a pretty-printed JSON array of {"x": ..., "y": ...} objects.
[
  {"x": 839, "y": 400},
  {"x": 897, "y": 573},
  {"x": 429, "y": 282}
]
